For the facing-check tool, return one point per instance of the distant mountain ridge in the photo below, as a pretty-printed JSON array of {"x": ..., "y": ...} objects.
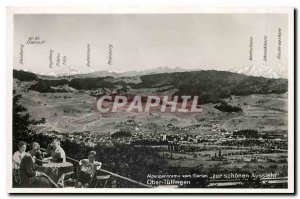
[
  {"x": 249, "y": 70},
  {"x": 257, "y": 71},
  {"x": 114, "y": 73}
]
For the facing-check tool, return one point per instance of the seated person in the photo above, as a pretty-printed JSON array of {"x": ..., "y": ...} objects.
[
  {"x": 56, "y": 152},
  {"x": 88, "y": 169},
  {"x": 38, "y": 158},
  {"x": 18, "y": 155},
  {"x": 28, "y": 173}
]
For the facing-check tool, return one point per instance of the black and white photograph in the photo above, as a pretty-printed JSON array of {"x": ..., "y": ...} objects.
[{"x": 151, "y": 101}]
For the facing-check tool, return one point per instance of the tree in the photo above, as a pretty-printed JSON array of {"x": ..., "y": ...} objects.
[
  {"x": 225, "y": 107},
  {"x": 22, "y": 119}
]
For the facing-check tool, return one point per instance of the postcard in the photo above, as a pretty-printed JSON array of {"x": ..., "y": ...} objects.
[{"x": 150, "y": 100}]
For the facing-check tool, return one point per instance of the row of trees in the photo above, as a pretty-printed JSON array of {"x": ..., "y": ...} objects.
[
  {"x": 121, "y": 133},
  {"x": 248, "y": 133},
  {"x": 225, "y": 107}
]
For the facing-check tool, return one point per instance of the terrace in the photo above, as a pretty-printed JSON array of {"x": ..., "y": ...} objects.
[{"x": 115, "y": 180}]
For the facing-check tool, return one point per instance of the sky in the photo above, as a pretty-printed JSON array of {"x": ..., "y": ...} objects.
[{"x": 147, "y": 41}]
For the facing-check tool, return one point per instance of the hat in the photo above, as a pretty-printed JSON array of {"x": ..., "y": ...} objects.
[{"x": 93, "y": 153}]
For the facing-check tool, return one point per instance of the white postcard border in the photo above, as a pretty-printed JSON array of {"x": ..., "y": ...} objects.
[{"x": 147, "y": 10}]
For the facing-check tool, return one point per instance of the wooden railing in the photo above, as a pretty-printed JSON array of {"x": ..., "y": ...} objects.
[{"x": 129, "y": 183}]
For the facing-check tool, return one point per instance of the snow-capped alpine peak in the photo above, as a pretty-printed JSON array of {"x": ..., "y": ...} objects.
[{"x": 258, "y": 71}]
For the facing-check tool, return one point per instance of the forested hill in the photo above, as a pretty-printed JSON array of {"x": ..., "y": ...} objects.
[
  {"x": 210, "y": 85},
  {"x": 213, "y": 85}
]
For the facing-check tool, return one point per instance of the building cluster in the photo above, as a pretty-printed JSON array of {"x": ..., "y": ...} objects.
[{"x": 171, "y": 136}]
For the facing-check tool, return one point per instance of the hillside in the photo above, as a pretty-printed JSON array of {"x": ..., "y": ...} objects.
[{"x": 211, "y": 85}]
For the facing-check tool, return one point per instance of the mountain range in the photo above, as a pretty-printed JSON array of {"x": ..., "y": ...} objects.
[
  {"x": 115, "y": 73},
  {"x": 249, "y": 70},
  {"x": 257, "y": 71}
]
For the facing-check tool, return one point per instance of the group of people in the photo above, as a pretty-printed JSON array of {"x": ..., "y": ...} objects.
[{"x": 25, "y": 165}]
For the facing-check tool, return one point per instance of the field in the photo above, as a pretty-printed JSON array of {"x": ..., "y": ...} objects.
[
  {"x": 205, "y": 141},
  {"x": 76, "y": 111}
]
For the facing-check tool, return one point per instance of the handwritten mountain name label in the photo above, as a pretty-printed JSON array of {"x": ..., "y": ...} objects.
[{"x": 35, "y": 41}]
